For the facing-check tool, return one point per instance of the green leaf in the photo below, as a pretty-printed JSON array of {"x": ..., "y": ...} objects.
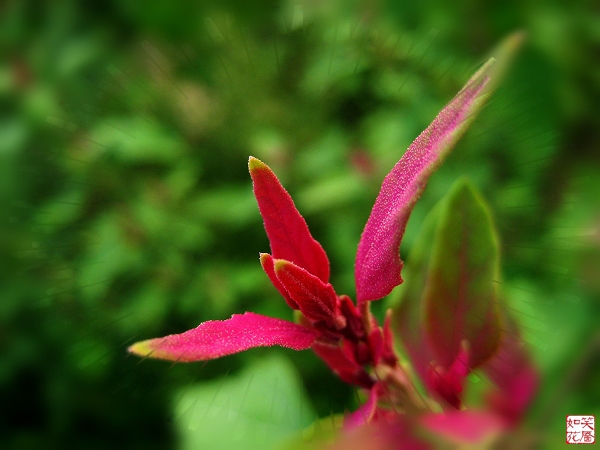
[
  {"x": 459, "y": 300},
  {"x": 316, "y": 436},
  {"x": 261, "y": 408}
]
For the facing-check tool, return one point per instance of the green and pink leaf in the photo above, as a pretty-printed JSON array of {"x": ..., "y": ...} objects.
[
  {"x": 460, "y": 294},
  {"x": 449, "y": 290}
]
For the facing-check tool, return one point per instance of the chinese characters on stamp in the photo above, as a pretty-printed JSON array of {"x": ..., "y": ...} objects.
[{"x": 581, "y": 429}]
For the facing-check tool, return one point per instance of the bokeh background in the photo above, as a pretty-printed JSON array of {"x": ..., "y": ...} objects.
[{"x": 127, "y": 209}]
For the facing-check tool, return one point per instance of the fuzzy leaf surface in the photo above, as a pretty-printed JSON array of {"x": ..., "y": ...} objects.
[
  {"x": 268, "y": 265},
  {"x": 287, "y": 230},
  {"x": 217, "y": 338},
  {"x": 378, "y": 264},
  {"x": 316, "y": 300}
]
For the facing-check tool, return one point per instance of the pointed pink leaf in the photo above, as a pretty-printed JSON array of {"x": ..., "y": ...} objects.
[
  {"x": 513, "y": 373},
  {"x": 515, "y": 394},
  {"x": 267, "y": 262},
  {"x": 287, "y": 230},
  {"x": 448, "y": 384},
  {"x": 365, "y": 413},
  {"x": 460, "y": 367},
  {"x": 316, "y": 300},
  {"x": 378, "y": 264},
  {"x": 217, "y": 338}
]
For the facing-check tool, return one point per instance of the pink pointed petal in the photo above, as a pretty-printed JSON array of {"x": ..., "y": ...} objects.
[
  {"x": 465, "y": 427},
  {"x": 448, "y": 384},
  {"x": 460, "y": 366},
  {"x": 217, "y": 338},
  {"x": 378, "y": 264},
  {"x": 316, "y": 300},
  {"x": 287, "y": 230},
  {"x": 365, "y": 413},
  {"x": 515, "y": 394},
  {"x": 267, "y": 262},
  {"x": 514, "y": 375}
]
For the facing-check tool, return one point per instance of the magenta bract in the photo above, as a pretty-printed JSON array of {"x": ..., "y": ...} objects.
[
  {"x": 378, "y": 264},
  {"x": 287, "y": 230},
  {"x": 217, "y": 338},
  {"x": 347, "y": 336}
]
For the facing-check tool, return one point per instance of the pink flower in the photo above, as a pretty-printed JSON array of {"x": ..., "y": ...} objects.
[{"x": 346, "y": 335}]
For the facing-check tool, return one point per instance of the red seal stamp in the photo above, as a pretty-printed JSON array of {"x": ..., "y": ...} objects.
[{"x": 581, "y": 429}]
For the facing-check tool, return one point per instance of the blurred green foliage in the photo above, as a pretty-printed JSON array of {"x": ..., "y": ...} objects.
[{"x": 125, "y": 130}]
